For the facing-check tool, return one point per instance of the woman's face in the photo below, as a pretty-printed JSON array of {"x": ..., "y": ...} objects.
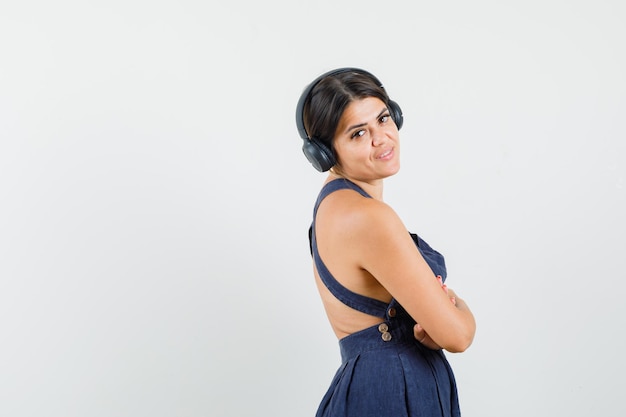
[{"x": 366, "y": 141}]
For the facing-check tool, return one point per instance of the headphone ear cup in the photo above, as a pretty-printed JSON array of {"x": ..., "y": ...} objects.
[
  {"x": 396, "y": 113},
  {"x": 318, "y": 155}
]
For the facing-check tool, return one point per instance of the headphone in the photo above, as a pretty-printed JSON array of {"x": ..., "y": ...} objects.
[{"x": 319, "y": 155}]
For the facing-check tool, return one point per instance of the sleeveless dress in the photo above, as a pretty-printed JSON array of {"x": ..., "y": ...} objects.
[{"x": 385, "y": 371}]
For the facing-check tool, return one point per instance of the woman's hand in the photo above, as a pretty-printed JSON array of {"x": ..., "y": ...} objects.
[
  {"x": 447, "y": 290},
  {"x": 422, "y": 337},
  {"x": 419, "y": 332}
]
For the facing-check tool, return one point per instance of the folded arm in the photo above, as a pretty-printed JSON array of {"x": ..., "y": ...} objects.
[{"x": 390, "y": 255}]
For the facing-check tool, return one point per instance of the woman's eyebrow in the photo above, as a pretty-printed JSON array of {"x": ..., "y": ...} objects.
[{"x": 363, "y": 124}]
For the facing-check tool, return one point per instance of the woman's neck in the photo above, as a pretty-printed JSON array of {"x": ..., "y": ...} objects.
[{"x": 373, "y": 188}]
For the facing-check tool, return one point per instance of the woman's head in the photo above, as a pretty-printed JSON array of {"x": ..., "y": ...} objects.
[{"x": 324, "y": 102}]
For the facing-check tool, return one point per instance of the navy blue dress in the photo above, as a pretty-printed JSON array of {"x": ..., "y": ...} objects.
[{"x": 384, "y": 371}]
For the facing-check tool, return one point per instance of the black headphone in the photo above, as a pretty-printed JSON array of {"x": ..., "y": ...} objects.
[{"x": 319, "y": 155}]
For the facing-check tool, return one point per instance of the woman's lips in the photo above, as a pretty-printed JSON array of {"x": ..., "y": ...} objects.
[{"x": 386, "y": 155}]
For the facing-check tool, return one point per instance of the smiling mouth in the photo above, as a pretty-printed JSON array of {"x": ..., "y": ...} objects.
[{"x": 385, "y": 154}]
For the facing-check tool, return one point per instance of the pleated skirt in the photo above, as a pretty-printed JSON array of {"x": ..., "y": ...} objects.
[{"x": 385, "y": 372}]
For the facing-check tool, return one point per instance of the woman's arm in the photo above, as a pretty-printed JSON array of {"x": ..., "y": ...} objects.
[
  {"x": 422, "y": 336},
  {"x": 387, "y": 252}
]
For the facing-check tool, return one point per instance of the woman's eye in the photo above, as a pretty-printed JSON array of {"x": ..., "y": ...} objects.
[
  {"x": 384, "y": 118},
  {"x": 358, "y": 133}
]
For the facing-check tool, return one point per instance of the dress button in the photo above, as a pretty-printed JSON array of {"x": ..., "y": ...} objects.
[
  {"x": 382, "y": 327},
  {"x": 386, "y": 336},
  {"x": 391, "y": 312}
]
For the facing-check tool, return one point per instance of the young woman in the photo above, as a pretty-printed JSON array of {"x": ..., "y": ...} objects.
[{"x": 381, "y": 286}]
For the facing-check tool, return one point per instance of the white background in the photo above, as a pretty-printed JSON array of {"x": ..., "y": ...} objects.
[{"x": 154, "y": 199}]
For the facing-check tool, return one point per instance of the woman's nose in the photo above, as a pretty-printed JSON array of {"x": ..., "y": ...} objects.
[{"x": 378, "y": 136}]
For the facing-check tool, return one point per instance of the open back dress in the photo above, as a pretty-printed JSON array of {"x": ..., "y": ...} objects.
[{"x": 385, "y": 371}]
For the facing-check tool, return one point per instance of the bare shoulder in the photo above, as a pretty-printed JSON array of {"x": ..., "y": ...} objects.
[{"x": 360, "y": 219}]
